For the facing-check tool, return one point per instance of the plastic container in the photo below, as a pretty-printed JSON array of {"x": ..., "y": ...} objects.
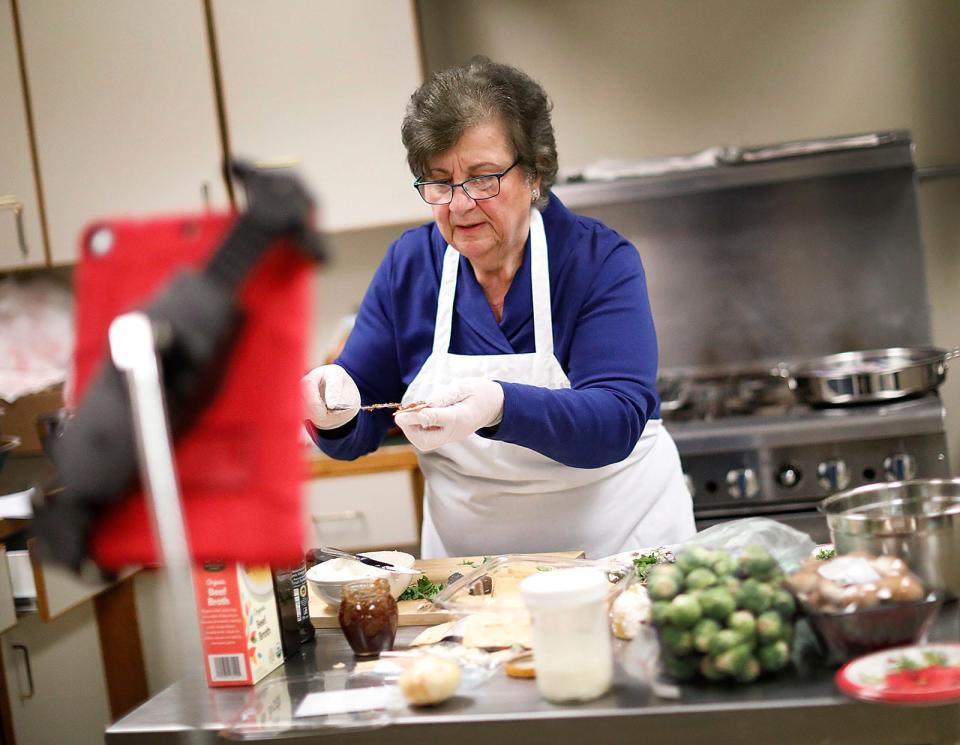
[
  {"x": 845, "y": 635},
  {"x": 570, "y": 632}
]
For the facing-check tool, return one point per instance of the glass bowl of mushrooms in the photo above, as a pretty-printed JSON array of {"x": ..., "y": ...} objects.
[{"x": 858, "y": 603}]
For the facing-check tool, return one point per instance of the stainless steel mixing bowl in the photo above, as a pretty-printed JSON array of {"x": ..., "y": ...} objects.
[{"x": 917, "y": 520}]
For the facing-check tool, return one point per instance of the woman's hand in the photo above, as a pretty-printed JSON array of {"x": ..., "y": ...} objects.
[
  {"x": 330, "y": 396},
  {"x": 453, "y": 413}
]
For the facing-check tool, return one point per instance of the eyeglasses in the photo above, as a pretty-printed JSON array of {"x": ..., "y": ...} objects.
[{"x": 477, "y": 188}]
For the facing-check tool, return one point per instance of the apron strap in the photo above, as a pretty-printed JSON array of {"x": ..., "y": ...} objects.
[
  {"x": 448, "y": 288},
  {"x": 539, "y": 286}
]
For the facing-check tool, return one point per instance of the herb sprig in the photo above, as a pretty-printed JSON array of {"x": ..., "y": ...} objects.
[
  {"x": 643, "y": 563},
  {"x": 422, "y": 589}
]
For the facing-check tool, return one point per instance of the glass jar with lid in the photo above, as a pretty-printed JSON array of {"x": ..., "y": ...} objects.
[{"x": 368, "y": 616}]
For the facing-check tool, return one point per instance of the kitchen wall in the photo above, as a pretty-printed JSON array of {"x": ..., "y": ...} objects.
[{"x": 648, "y": 78}]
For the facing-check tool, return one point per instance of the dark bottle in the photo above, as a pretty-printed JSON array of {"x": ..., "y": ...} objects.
[
  {"x": 287, "y": 610},
  {"x": 298, "y": 579},
  {"x": 368, "y": 616},
  {"x": 290, "y": 589}
]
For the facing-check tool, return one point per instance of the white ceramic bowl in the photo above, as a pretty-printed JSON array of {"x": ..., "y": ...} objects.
[{"x": 327, "y": 577}]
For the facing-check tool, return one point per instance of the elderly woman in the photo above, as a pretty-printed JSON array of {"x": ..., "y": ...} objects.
[{"x": 526, "y": 331}]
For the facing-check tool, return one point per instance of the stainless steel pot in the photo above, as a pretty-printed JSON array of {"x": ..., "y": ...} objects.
[
  {"x": 918, "y": 520},
  {"x": 869, "y": 376}
]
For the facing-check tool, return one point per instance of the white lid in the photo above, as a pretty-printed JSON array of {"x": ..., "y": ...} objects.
[{"x": 564, "y": 587}]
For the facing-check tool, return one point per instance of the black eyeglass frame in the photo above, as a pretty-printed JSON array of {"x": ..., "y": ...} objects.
[{"x": 463, "y": 185}]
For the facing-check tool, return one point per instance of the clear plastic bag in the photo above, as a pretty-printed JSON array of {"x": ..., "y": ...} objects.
[
  {"x": 640, "y": 660},
  {"x": 787, "y": 545}
]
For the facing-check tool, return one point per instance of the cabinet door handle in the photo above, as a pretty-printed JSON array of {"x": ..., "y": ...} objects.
[
  {"x": 343, "y": 516},
  {"x": 26, "y": 664},
  {"x": 12, "y": 203}
]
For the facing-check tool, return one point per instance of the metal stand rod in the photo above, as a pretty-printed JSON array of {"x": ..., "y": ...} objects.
[{"x": 134, "y": 352}]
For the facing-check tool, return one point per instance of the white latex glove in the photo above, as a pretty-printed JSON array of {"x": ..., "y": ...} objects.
[
  {"x": 453, "y": 413},
  {"x": 330, "y": 396}
]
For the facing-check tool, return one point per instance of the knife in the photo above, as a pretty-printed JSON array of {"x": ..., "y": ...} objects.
[{"x": 337, "y": 553}]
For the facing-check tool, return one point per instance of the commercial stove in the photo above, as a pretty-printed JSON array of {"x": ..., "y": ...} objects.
[
  {"x": 776, "y": 254},
  {"x": 773, "y": 457}
]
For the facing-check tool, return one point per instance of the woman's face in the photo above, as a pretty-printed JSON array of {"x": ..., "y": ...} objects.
[{"x": 487, "y": 230}]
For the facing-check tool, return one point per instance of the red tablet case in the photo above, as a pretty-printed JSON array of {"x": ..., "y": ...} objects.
[{"x": 241, "y": 465}]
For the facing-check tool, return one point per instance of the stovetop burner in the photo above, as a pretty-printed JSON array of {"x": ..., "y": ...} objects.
[{"x": 684, "y": 399}]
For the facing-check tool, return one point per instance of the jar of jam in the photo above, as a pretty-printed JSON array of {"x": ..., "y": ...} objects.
[{"x": 368, "y": 616}]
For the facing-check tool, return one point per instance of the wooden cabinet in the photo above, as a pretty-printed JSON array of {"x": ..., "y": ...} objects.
[
  {"x": 54, "y": 677},
  {"x": 72, "y": 664},
  {"x": 325, "y": 84},
  {"x": 21, "y": 238},
  {"x": 373, "y": 502},
  {"x": 124, "y": 112}
]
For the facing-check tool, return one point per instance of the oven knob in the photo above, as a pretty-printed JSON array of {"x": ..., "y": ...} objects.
[
  {"x": 833, "y": 475},
  {"x": 742, "y": 483},
  {"x": 789, "y": 477},
  {"x": 900, "y": 467}
]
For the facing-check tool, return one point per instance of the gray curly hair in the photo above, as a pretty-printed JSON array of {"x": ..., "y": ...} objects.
[{"x": 455, "y": 99}]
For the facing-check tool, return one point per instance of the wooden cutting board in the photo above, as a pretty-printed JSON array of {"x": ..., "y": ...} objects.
[{"x": 416, "y": 612}]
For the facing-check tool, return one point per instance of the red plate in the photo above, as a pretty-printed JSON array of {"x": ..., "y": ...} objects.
[{"x": 917, "y": 674}]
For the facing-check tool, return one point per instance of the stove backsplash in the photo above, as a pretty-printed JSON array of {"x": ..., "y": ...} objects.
[{"x": 784, "y": 269}]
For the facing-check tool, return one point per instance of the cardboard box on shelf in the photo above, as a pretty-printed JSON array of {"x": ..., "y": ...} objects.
[
  {"x": 20, "y": 417},
  {"x": 239, "y": 625}
]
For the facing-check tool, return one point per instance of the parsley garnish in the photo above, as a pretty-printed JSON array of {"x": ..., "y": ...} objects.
[
  {"x": 643, "y": 563},
  {"x": 423, "y": 589}
]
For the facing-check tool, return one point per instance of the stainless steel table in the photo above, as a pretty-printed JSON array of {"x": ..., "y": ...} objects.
[{"x": 799, "y": 706}]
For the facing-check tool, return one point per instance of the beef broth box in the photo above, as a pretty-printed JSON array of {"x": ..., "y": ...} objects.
[{"x": 239, "y": 626}]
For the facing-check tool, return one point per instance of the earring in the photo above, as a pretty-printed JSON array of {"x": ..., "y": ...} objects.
[{"x": 534, "y": 195}]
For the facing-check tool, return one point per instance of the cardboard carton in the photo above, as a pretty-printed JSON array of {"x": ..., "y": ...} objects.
[
  {"x": 20, "y": 417},
  {"x": 239, "y": 625}
]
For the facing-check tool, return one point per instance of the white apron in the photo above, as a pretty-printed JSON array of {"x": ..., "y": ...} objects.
[{"x": 484, "y": 497}]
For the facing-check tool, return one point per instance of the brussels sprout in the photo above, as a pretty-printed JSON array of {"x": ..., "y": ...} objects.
[
  {"x": 755, "y": 560},
  {"x": 662, "y": 587},
  {"x": 717, "y": 603},
  {"x": 708, "y": 669},
  {"x": 774, "y": 656},
  {"x": 730, "y": 584},
  {"x": 666, "y": 570},
  {"x": 660, "y": 612},
  {"x": 733, "y": 661},
  {"x": 749, "y": 671},
  {"x": 703, "y": 632},
  {"x": 786, "y": 632},
  {"x": 684, "y": 611},
  {"x": 723, "y": 564},
  {"x": 743, "y": 622},
  {"x": 676, "y": 641},
  {"x": 754, "y": 596},
  {"x": 724, "y": 640},
  {"x": 769, "y": 626},
  {"x": 694, "y": 558},
  {"x": 681, "y": 668},
  {"x": 700, "y": 578},
  {"x": 784, "y": 604}
]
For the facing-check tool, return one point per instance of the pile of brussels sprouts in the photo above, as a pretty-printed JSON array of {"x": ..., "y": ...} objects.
[{"x": 720, "y": 616}]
